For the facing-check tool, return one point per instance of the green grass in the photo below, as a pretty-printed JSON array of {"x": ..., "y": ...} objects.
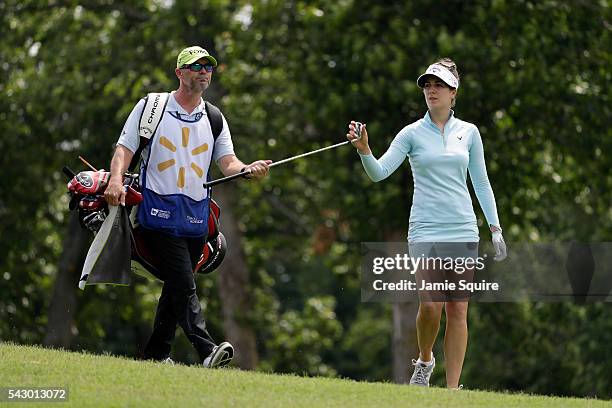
[{"x": 95, "y": 380}]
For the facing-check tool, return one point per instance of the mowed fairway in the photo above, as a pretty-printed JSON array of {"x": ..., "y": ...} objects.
[{"x": 95, "y": 380}]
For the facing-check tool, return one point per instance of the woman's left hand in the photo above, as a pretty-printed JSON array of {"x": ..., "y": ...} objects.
[{"x": 499, "y": 244}]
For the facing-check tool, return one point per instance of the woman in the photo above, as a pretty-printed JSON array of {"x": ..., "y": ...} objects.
[{"x": 442, "y": 150}]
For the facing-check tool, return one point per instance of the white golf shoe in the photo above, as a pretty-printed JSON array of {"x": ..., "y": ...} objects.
[{"x": 422, "y": 372}]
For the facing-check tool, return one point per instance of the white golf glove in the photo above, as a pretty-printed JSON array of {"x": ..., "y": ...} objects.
[{"x": 499, "y": 245}]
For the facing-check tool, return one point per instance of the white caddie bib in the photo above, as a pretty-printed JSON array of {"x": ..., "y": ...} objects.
[{"x": 180, "y": 154}]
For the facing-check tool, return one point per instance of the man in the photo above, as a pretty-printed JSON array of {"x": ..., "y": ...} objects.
[{"x": 175, "y": 208}]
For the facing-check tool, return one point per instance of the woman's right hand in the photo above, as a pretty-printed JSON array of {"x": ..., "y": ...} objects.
[{"x": 360, "y": 143}]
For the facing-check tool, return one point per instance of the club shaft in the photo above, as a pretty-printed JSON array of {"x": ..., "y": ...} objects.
[
  {"x": 85, "y": 162},
  {"x": 308, "y": 153},
  {"x": 225, "y": 179},
  {"x": 274, "y": 164}
]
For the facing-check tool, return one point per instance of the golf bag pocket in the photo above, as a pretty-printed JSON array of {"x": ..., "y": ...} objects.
[{"x": 173, "y": 214}]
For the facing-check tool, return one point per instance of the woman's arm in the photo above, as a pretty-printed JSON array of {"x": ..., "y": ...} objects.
[
  {"x": 484, "y": 193},
  {"x": 480, "y": 181},
  {"x": 382, "y": 168}
]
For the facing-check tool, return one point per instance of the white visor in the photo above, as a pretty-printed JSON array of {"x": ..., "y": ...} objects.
[{"x": 441, "y": 72}]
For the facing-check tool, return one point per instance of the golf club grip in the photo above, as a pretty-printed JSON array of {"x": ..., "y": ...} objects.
[
  {"x": 68, "y": 172},
  {"x": 224, "y": 179}
]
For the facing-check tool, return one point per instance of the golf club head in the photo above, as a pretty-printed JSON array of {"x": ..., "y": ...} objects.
[{"x": 358, "y": 127}]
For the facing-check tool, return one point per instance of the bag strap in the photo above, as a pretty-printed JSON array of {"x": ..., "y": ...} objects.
[
  {"x": 215, "y": 118},
  {"x": 150, "y": 118}
]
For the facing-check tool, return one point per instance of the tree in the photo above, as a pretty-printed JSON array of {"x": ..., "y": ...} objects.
[{"x": 292, "y": 75}]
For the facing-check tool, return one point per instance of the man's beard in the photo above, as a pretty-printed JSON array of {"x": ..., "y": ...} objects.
[{"x": 197, "y": 86}]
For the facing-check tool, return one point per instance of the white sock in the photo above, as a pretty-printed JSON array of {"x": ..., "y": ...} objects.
[{"x": 427, "y": 363}]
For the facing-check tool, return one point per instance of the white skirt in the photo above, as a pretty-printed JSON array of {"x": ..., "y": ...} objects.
[{"x": 430, "y": 232}]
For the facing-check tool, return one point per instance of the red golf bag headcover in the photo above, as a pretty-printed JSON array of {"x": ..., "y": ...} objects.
[
  {"x": 90, "y": 186},
  {"x": 89, "y": 182}
]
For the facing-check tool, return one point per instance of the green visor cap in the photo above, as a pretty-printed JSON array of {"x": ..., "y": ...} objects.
[{"x": 192, "y": 54}]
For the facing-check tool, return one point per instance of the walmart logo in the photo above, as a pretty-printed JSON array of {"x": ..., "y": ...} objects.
[{"x": 165, "y": 165}]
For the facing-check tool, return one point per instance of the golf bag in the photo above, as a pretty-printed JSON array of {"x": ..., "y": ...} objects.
[{"x": 87, "y": 197}]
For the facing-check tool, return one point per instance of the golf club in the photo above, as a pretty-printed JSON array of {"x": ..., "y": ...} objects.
[{"x": 278, "y": 163}]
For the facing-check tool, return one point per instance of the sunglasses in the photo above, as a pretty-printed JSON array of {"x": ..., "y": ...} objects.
[{"x": 197, "y": 67}]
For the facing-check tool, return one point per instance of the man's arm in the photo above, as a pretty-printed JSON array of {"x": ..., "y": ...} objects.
[
  {"x": 115, "y": 191},
  {"x": 230, "y": 164}
]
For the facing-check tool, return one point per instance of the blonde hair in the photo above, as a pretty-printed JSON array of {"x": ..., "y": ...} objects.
[{"x": 452, "y": 67}]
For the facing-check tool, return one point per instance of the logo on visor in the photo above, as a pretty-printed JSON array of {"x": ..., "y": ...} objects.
[{"x": 443, "y": 73}]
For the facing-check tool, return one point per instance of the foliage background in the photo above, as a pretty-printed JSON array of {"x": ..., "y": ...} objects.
[{"x": 535, "y": 79}]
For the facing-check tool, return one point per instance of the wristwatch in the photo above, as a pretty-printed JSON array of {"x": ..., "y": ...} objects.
[{"x": 246, "y": 175}]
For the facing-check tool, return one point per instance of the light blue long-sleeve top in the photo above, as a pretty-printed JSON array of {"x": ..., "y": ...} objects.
[{"x": 440, "y": 162}]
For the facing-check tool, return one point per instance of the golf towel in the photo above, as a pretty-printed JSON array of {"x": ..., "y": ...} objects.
[{"x": 108, "y": 258}]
